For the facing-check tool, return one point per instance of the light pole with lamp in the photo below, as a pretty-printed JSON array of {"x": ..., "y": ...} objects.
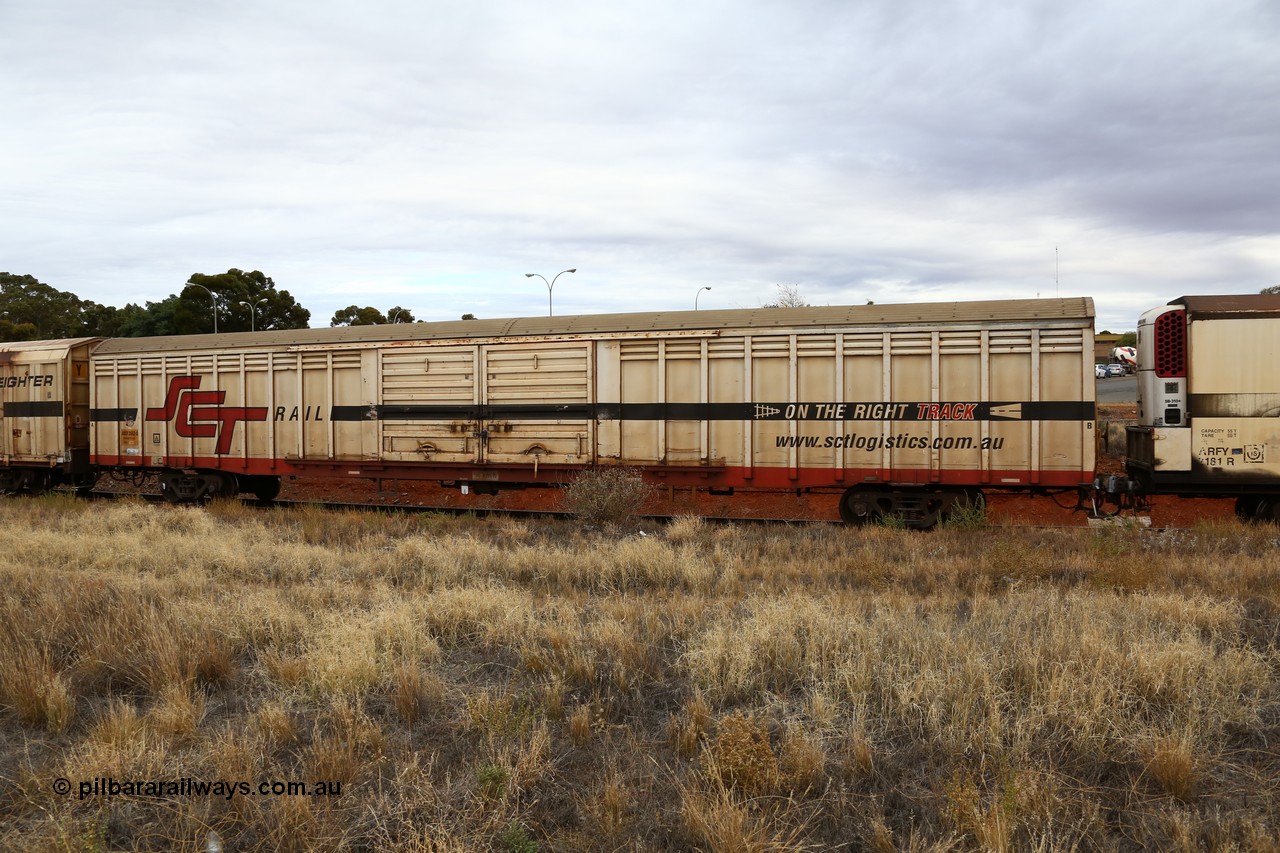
[
  {"x": 253, "y": 310},
  {"x": 212, "y": 296},
  {"x": 394, "y": 314},
  {"x": 696, "y": 295},
  {"x": 550, "y": 284}
]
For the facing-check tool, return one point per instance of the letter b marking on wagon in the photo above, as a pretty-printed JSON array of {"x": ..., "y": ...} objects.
[{"x": 211, "y": 420}]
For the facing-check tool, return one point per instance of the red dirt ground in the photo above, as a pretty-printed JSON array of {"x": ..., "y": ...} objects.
[{"x": 1007, "y": 508}]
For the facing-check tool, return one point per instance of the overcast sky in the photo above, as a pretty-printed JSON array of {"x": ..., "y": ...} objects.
[{"x": 428, "y": 154}]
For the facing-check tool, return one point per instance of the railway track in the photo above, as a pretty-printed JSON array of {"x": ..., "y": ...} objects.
[
  {"x": 1143, "y": 522},
  {"x": 479, "y": 512}
]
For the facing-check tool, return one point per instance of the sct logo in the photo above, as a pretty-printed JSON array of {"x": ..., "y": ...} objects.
[{"x": 211, "y": 420}]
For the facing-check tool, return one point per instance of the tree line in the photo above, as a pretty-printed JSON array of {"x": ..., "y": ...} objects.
[{"x": 31, "y": 310}]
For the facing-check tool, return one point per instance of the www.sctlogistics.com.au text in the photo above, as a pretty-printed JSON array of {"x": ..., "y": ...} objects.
[{"x": 902, "y": 441}]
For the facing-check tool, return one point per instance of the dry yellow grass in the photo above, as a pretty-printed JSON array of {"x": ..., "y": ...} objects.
[{"x": 496, "y": 684}]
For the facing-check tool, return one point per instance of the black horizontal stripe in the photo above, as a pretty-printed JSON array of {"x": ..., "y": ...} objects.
[
  {"x": 353, "y": 413},
  {"x": 109, "y": 415},
  {"x": 34, "y": 409},
  {"x": 1245, "y": 405},
  {"x": 1044, "y": 410}
]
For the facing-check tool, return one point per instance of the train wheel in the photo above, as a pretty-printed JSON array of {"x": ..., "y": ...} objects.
[
  {"x": 265, "y": 489},
  {"x": 1268, "y": 509},
  {"x": 858, "y": 507},
  {"x": 221, "y": 486},
  {"x": 35, "y": 482},
  {"x": 1247, "y": 507}
]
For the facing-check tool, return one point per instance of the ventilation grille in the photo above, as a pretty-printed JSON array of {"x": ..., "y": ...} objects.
[{"x": 1171, "y": 344}]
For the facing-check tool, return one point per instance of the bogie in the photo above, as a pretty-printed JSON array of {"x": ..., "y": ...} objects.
[
  {"x": 197, "y": 486},
  {"x": 919, "y": 509},
  {"x": 32, "y": 481}
]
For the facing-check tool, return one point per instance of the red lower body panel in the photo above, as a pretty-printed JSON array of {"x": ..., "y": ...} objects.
[{"x": 697, "y": 476}]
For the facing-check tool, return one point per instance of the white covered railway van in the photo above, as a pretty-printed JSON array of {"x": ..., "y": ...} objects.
[
  {"x": 44, "y": 392},
  {"x": 900, "y": 407},
  {"x": 1209, "y": 392}
]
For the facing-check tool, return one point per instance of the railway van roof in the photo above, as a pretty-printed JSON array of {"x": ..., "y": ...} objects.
[
  {"x": 1077, "y": 310},
  {"x": 58, "y": 343},
  {"x": 1227, "y": 307},
  {"x": 9, "y": 350}
]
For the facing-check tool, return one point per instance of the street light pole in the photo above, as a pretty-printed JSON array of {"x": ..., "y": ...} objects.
[
  {"x": 696, "y": 295},
  {"x": 213, "y": 297},
  {"x": 253, "y": 312},
  {"x": 550, "y": 284},
  {"x": 396, "y": 313}
]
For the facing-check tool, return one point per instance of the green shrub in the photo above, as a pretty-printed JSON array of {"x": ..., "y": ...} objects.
[
  {"x": 516, "y": 839},
  {"x": 607, "y": 496},
  {"x": 491, "y": 781}
]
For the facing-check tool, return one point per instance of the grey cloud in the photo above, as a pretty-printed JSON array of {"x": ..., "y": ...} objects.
[{"x": 903, "y": 149}]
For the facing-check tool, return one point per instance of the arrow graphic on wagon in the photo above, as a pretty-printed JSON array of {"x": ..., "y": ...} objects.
[{"x": 1012, "y": 411}]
